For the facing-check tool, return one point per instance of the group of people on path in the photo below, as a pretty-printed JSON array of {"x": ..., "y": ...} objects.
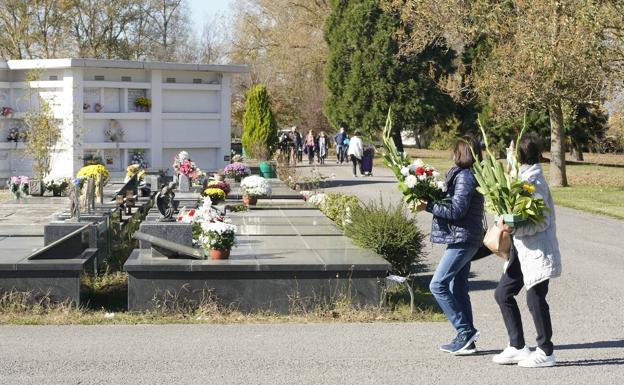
[
  {"x": 535, "y": 259},
  {"x": 316, "y": 147}
]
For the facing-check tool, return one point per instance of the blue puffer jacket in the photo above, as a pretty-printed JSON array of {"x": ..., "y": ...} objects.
[{"x": 459, "y": 218}]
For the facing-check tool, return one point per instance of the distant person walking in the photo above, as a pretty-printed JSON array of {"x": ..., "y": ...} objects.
[
  {"x": 309, "y": 146},
  {"x": 535, "y": 259},
  {"x": 322, "y": 147},
  {"x": 339, "y": 138},
  {"x": 355, "y": 152},
  {"x": 297, "y": 145}
]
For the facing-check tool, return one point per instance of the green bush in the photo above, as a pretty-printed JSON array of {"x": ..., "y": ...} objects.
[
  {"x": 259, "y": 124},
  {"x": 387, "y": 230},
  {"x": 444, "y": 136},
  {"x": 338, "y": 207}
]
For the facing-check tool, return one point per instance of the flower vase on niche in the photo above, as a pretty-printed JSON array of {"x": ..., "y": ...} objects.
[{"x": 184, "y": 183}]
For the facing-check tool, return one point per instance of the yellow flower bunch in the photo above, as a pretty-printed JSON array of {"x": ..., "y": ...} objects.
[
  {"x": 528, "y": 187},
  {"x": 215, "y": 194},
  {"x": 93, "y": 171}
]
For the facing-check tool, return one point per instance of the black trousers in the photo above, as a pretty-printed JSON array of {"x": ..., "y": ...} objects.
[
  {"x": 356, "y": 162},
  {"x": 509, "y": 286}
]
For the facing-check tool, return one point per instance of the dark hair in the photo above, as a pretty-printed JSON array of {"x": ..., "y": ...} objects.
[
  {"x": 356, "y": 133},
  {"x": 530, "y": 149},
  {"x": 463, "y": 154}
]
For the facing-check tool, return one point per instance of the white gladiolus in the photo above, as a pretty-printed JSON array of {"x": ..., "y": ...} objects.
[
  {"x": 442, "y": 185},
  {"x": 436, "y": 174},
  {"x": 422, "y": 178},
  {"x": 411, "y": 181},
  {"x": 405, "y": 171}
]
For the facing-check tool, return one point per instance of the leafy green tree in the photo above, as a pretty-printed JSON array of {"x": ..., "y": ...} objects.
[
  {"x": 366, "y": 72},
  {"x": 259, "y": 124}
]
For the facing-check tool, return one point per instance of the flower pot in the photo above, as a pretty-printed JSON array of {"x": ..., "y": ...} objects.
[
  {"x": 513, "y": 220},
  {"x": 267, "y": 170},
  {"x": 250, "y": 200},
  {"x": 219, "y": 253}
]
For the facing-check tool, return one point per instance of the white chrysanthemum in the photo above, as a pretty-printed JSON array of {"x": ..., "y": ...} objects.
[
  {"x": 411, "y": 181},
  {"x": 405, "y": 171},
  {"x": 255, "y": 186}
]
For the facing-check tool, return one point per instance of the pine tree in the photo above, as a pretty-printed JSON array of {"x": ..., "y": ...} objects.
[
  {"x": 259, "y": 124},
  {"x": 366, "y": 74}
]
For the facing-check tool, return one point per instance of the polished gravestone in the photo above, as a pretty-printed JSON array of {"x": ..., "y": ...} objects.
[
  {"x": 285, "y": 258},
  {"x": 53, "y": 270}
]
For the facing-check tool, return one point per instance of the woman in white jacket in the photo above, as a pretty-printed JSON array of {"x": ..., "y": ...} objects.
[
  {"x": 534, "y": 261},
  {"x": 356, "y": 152}
]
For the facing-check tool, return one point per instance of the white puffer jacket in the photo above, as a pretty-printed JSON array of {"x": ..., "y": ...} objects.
[{"x": 536, "y": 244}]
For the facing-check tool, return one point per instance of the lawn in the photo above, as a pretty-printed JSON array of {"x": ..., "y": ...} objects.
[{"x": 596, "y": 185}]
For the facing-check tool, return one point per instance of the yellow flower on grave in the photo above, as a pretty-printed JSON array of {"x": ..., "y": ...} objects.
[
  {"x": 215, "y": 194},
  {"x": 528, "y": 187},
  {"x": 93, "y": 171}
]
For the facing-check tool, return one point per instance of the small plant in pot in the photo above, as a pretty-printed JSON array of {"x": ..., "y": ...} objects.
[
  {"x": 236, "y": 171},
  {"x": 215, "y": 194},
  {"x": 57, "y": 186},
  {"x": 217, "y": 239},
  {"x": 253, "y": 187},
  {"x": 143, "y": 104},
  {"x": 221, "y": 185}
]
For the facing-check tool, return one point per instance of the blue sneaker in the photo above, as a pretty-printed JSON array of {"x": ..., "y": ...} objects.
[
  {"x": 462, "y": 343},
  {"x": 470, "y": 349}
]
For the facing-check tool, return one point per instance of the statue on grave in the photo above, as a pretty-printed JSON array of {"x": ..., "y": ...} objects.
[
  {"x": 74, "y": 201},
  {"x": 165, "y": 202}
]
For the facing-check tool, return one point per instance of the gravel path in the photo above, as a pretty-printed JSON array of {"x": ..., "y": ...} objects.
[{"x": 586, "y": 304}]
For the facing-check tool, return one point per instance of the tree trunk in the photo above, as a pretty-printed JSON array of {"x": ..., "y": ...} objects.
[
  {"x": 558, "y": 176},
  {"x": 576, "y": 151}
]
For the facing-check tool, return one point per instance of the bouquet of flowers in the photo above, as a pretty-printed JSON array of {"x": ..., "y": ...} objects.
[
  {"x": 57, "y": 185},
  {"x": 18, "y": 186},
  {"x": 217, "y": 235},
  {"x": 417, "y": 180},
  {"x": 255, "y": 186},
  {"x": 138, "y": 157},
  {"x": 215, "y": 194},
  {"x": 14, "y": 135},
  {"x": 93, "y": 171},
  {"x": 236, "y": 170},
  {"x": 7, "y": 112},
  {"x": 506, "y": 194},
  {"x": 220, "y": 185},
  {"x": 114, "y": 132},
  {"x": 183, "y": 165}
]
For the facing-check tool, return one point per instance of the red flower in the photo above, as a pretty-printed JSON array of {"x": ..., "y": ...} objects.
[
  {"x": 429, "y": 172},
  {"x": 420, "y": 171},
  {"x": 191, "y": 213}
]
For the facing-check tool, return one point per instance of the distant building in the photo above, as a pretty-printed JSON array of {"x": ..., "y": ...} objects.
[{"x": 190, "y": 110}]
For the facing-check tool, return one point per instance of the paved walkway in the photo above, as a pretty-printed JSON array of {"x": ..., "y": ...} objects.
[{"x": 586, "y": 304}]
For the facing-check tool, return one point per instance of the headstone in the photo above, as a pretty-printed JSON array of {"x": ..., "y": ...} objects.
[
  {"x": 74, "y": 202},
  {"x": 35, "y": 187},
  {"x": 168, "y": 248},
  {"x": 90, "y": 195},
  {"x": 99, "y": 186},
  {"x": 184, "y": 184}
]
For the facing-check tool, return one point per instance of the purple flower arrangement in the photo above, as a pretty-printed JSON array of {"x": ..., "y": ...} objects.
[
  {"x": 236, "y": 170},
  {"x": 18, "y": 185}
]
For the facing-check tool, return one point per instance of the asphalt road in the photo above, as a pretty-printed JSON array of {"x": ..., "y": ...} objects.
[{"x": 587, "y": 308}]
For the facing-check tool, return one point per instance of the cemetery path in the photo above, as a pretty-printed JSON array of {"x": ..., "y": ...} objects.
[{"x": 586, "y": 305}]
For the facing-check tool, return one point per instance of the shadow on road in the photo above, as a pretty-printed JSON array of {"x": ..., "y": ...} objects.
[
  {"x": 593, "y": 345},
  {"x": 597, "y": 362}
]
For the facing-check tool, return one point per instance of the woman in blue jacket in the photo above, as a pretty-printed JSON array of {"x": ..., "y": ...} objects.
[{"x": 458, "y": 223}]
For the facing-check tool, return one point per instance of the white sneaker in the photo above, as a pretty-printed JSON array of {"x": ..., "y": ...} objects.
[
  {"x": 538, "y": 359},
  {"x": 511, "y": 355}
]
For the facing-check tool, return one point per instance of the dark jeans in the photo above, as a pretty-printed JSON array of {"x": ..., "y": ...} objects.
[
  {"x": 509, "y": 286},
  {"x": 356, "y": 162},
  {"x": 340, "y": 154}
]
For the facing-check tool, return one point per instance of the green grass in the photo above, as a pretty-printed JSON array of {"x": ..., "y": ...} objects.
[
  {"x": 598, "y": 200},
  {"x": 107, "y": 306}
]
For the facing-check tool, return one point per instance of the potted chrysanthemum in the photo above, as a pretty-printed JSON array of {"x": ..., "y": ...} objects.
[
  {"x": 253, "y": 187},
  {"x": 217, "y": 239},
  {"x": 215, "y": 194},
  {"x": 219, "y": 184},
  {"x": 236, "y": 171}
]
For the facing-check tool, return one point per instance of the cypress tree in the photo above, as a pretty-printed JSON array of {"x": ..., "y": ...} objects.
[
  {"x": 366, "y": 73},
  {"x": 259, "y": 124}
]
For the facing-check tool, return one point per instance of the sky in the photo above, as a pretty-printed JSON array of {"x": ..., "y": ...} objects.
[{"x": 205, "y": 8}]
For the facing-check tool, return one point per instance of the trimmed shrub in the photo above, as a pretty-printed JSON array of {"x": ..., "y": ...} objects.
[
  {"x": 387, "y": 230},
  {"x": 259, "y": 125}
]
